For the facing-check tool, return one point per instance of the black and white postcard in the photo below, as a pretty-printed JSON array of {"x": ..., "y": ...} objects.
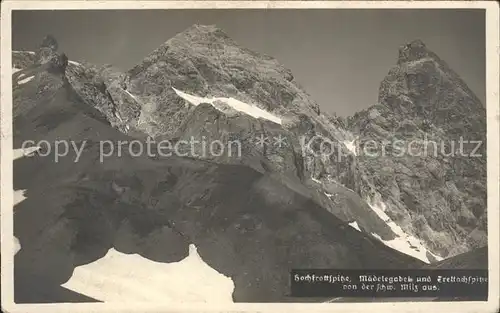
[{"x": 249, "y": 156}]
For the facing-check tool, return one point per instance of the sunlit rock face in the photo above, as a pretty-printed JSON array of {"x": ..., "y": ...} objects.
[{"x": 434, "y": 181}]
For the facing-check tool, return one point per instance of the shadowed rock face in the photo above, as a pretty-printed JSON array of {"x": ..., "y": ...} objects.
[
  {"x": 245, "y": 225},
  {"x": 252, "y": 217}
]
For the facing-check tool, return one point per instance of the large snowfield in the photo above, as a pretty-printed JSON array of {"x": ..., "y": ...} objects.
[{"x": 119, "y": 277}]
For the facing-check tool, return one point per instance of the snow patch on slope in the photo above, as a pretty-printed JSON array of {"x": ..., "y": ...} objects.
[
  {"x": 17, "y": 245},
  {"x": 25, "y": 80},
  {"x": 131, "y": 95},
  {"x": 403, "y": 242},
  {"x": 119, "y": 277},
  {"x": 355, "y": 226},
  {"x": 20, "y": 153},
  {"x": 237, "y": 105},
  {"x": 30, "y": 52},
  {"x": 351, "y": 146},
  {"x": 74, "y": 63},
  {"x": 316, "y": 180},
  {"x": 19, "y": 196},
  {"x": 15, "y": 70}
]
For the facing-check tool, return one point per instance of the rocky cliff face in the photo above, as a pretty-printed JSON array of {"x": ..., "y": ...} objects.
[
  {"x": 441, "y": 199},
  {"x": 429, "y": 167},
  {"x": 204, "y": 62},
  {"x": 201, "y": 85}
]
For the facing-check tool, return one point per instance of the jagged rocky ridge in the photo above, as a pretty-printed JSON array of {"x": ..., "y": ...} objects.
[
  {"x": 204, "y": 62},
  {"x": 438, "y": 193},
  {"x": 210, "y": 59}
]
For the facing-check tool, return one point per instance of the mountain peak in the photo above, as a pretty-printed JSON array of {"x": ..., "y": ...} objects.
[
  {"x": 204, "y": 28},
  {"x": 412, "y": 51},
  {"x": 47, "y": 53},
  {"x": 50, "y": 42},
  {"x": 198, "y": 31}
]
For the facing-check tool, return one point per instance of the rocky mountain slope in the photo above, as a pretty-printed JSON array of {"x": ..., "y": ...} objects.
[
  {"x": 474, "y": 259},
  {"x": 440, "y": 199},
  {"x": 245, "y": 224},
  {"x": 430, "y": 183},
  {"x": 311, "y": 199}
]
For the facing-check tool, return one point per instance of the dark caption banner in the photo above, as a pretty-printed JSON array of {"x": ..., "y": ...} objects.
[{"x": 470, "y": 284}]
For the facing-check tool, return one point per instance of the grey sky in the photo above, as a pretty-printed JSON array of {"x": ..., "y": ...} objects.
[{"x": 339, "y": 56}]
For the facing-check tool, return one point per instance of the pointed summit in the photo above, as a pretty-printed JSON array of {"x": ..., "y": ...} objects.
[
  {"x": 47, "y": 54},
  {"x": 203, "y": 33},
  {"x": 415, "y": 50},
  {"x": 49, "y": 42},
  {"x": 422, "y": 97},
  {"x": 47, "y": 50},
  {"x": 205, "y": 29}
]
